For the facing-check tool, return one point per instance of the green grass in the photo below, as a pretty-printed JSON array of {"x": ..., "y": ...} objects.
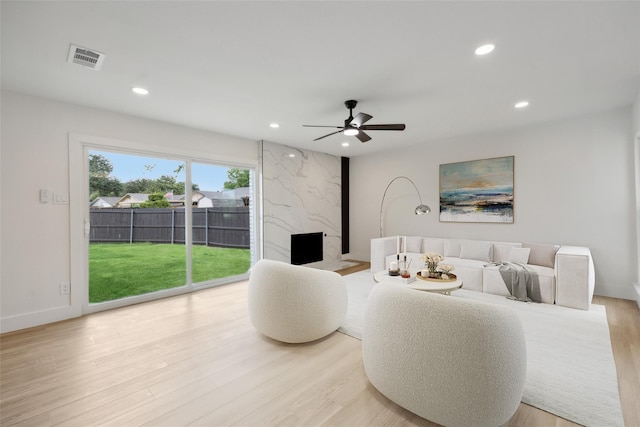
[{"x": 119, "y": 270}]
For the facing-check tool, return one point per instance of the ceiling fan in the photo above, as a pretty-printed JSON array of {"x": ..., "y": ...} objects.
[{"x": 356, "y": 125}]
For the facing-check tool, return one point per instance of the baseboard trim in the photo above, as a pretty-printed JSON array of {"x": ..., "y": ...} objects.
[
  {"x": 37, "y": 318},
  {"x": 621, "y": 292}
]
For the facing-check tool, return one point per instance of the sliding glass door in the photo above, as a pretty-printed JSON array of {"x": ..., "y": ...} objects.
[
  {"x": 159, "y": 224},
  {"x": 221, "y": 222}
]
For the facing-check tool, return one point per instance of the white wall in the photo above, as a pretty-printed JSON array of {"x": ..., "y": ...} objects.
[
  {"x": 35, "y": 243},
  {"x": 574, "y": 185}
]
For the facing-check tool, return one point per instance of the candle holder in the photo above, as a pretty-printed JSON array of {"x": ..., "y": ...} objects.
[
  {"x": 394, "y": 269},
  {"x": 404, "y": 268}
]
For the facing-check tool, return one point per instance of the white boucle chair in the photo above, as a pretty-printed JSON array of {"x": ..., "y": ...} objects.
[
  {"x": 295, "y": 304},
  {"x": 453, "y": 361}
]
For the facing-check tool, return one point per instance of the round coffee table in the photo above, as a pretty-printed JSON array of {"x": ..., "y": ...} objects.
[{"x": 419, "y": 284}]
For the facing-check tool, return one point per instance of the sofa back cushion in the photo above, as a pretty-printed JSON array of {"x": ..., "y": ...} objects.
[
  {"x": 452, "y": 247},
  {"x": 414, "y": 244},
  {"x": 433, "y": 245},
  {"x": 543, "y": 255},
  {"x": 476, "y": 249},
  {"x": 502, "y": 251}
]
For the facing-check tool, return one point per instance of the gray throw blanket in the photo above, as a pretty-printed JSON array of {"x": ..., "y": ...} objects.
[{"x": 522, "y": 281}]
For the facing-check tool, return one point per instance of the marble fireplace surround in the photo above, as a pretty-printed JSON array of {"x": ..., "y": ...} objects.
[{"x": 301, "y": 194}]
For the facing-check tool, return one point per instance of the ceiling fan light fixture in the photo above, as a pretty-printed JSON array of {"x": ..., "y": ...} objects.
[
  {"x": 139, "y": 90},
  {"x": 484, "y": 49},
  {"x": 351, "y": 131}
]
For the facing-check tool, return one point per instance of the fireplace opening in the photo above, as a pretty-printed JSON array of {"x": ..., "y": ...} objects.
[{"x": 306, "y": 248}]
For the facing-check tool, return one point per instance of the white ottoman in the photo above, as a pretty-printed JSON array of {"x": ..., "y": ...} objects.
[
  {"x": 293, "y": 303},
  {"x": 453, "y": 361}
]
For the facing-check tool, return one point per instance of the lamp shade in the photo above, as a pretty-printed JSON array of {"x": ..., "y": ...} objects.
[{"x": 422, "y": 210}]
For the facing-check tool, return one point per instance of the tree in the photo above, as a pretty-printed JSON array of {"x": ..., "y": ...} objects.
[
  {"x": 164, "y": 184},
  {"x": 156, "y": 200},
  {"x": 140, "y": 185},
  {"x": 167, "y": 183},
  {"x": 238, "y": 178},
  {"x": 100, "y": 181}
]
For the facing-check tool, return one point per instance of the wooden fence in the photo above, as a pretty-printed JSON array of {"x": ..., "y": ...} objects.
[{"x": 217, "y": 226}]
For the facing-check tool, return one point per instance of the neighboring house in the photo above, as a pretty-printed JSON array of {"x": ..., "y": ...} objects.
[
  {"x": 131, "y": 200},
  {"x": 226, "y": 198},
  {"x": 104, "y": 202}
]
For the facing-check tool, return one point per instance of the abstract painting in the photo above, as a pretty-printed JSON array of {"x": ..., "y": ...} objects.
[{"x": 477, "y": 191}]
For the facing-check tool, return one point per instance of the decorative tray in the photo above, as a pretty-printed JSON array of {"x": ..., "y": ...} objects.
[{"x": 452, "y": 278}]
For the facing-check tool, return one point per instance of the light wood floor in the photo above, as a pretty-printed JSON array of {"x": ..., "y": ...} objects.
[{"x": 196, "y": 360}]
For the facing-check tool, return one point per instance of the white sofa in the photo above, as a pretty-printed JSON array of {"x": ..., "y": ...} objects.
[
  {"x": 453, "y": 361},
  {"x": 566, "y": 273}
]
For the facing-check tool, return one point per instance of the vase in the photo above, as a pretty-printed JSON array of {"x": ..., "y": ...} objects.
[{"x": 432, "y": 269}]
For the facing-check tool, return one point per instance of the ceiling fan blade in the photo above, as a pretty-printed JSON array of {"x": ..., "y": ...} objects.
[
  {"x": 360, "y": 119},
  {"x": 383, "y": 127},
  {"x": 319, "y": 126},
  {"x": 329, "y": 134},
  {"x": 363, "y": 137}
]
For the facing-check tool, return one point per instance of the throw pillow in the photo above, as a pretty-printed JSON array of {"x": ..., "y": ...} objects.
[
  {"x": 543, "y": 255},
  {"x": 519, "y": 255},
  {"x": 501, "y": 252},
  {"x": 473, "y": 249}
]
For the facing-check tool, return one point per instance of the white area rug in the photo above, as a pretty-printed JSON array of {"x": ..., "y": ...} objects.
[
  {"x": 570, "y": 368},
  {"x": 333, "y": 265}
]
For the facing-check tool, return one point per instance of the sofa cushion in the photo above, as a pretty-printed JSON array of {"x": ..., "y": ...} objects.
[
  {"x": 475, "y": 249},
  {"x": 433, "y": 245},
  {"x": 543, "y": 255},
  {"x": 452, "y": 247},
  {"x": 492, "y": 282},
  {"x": 501, "y": 251},
  {"x": 469, "y": 271},
  {"x": 414, "y": 244},
  {"x": 519, "y": 255}
]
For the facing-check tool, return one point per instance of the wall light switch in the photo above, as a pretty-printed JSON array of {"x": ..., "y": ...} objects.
[
  {"x": 60, "y": 199},
  {"x": 44, "y": 196}
]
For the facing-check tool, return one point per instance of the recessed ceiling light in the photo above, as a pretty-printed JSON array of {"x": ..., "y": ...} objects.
[
  {"x": 521, "y": 104},
  {"x": 274, "y": 125},
  {"x": 345, "y": 144},
  {"x": 485, "y": 48},
  {"x": 140, "y": 90},
  {"x": 292, "y": 155}
]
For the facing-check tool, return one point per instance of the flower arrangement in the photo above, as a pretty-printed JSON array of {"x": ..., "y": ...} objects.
[
  {"x": 445, "y": 270},
  {"x": 431, "y": 261},
  {"x": 428, "y": 257}
]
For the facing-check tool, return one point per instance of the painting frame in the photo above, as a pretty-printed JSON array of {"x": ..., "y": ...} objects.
[{"x": 478, "y": 191}]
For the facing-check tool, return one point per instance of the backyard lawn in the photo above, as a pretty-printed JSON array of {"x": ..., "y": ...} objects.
[{"x": 118, "y": 270}]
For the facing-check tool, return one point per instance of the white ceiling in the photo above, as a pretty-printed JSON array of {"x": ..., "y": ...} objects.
[{"x": 235, "y": 67}]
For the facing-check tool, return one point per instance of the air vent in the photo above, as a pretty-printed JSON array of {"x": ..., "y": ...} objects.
[{"x": 85, "y": 57}]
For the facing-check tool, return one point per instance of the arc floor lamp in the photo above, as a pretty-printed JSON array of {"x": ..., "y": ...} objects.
[{"x": 421, "y": 209}]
